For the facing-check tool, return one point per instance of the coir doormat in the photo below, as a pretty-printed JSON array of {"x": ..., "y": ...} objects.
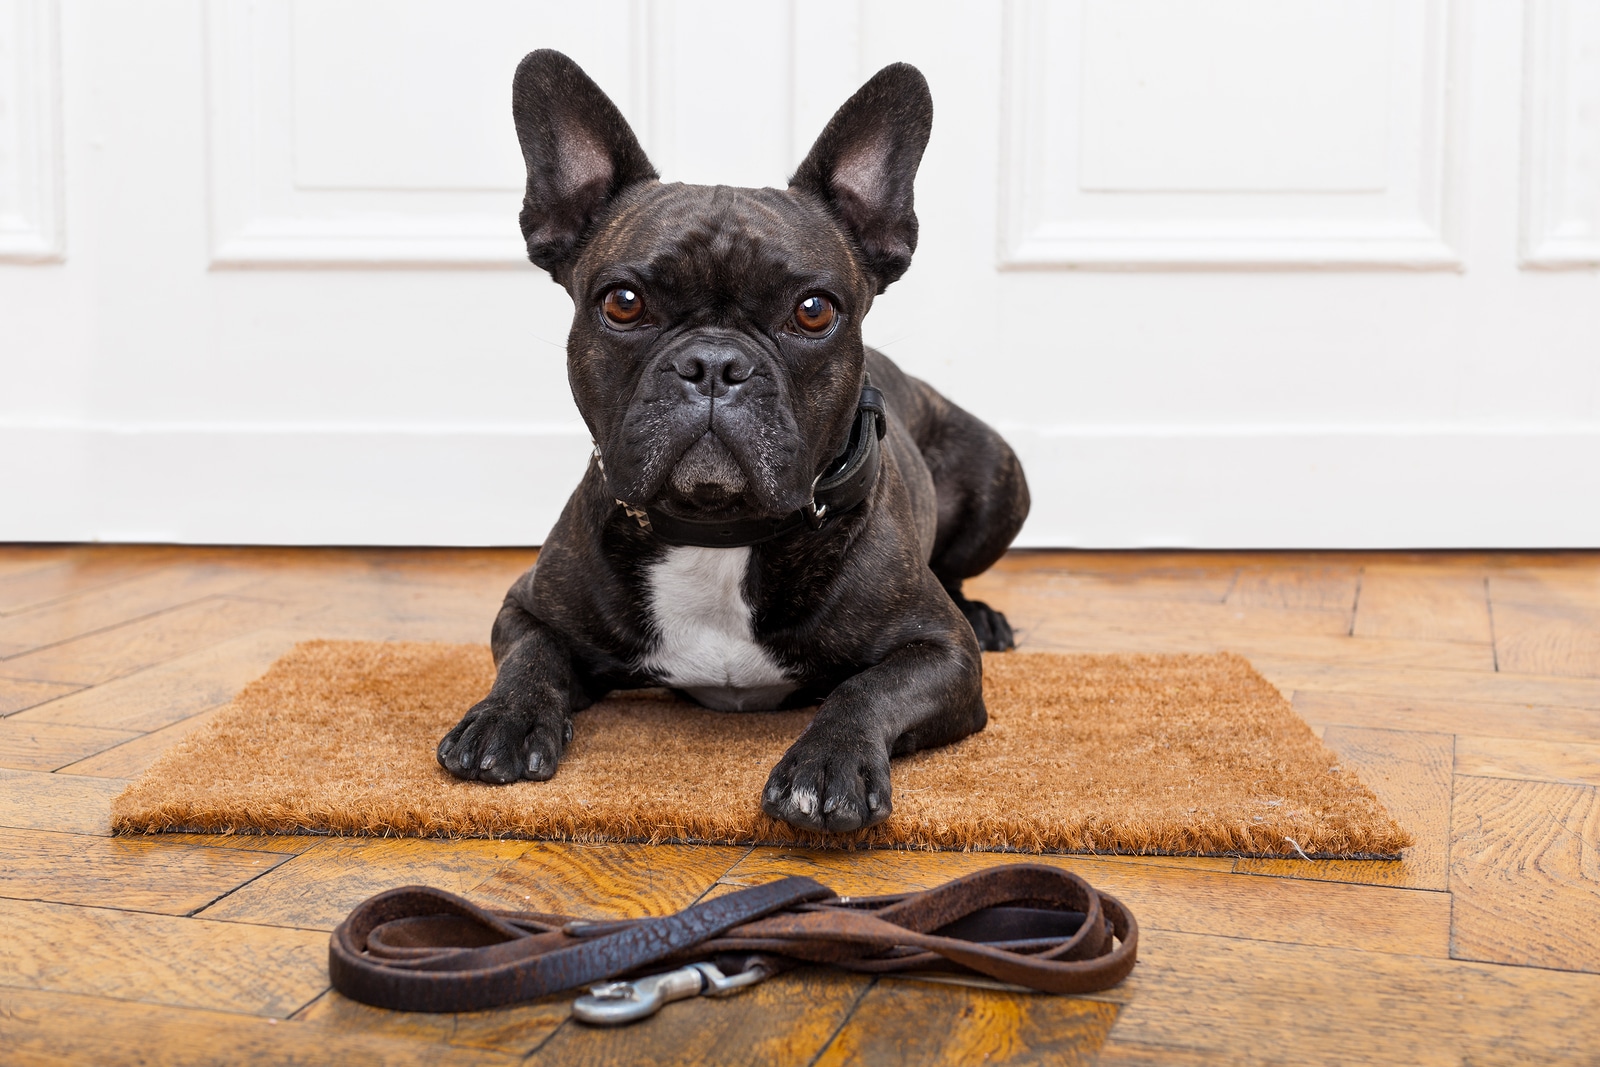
[{"x": 1124, "y": 753}]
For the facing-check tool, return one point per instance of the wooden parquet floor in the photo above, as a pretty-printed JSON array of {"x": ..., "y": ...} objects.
[{"x": 1464, "y": 688}]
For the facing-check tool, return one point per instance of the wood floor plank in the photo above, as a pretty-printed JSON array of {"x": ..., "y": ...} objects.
[
  {"x": 1411, "y": 773},
  {"x": 284, "y": 844},
  {"x": 1161, "y": 897},
  {"x": 160, "y": 959},
  {"x": 1444, "y": 715},
  {"x": 377, "y": 606},
  {"x": 19, "y": 694},
  {"x": 621, "y": 881},
  {"x": 1115, "y": 1053},
  {"x": 34, "y": 800},
  {"x": 172, "y": 691},
  {"x": 1575, "y": 583},
  {"x": 44, "y": 746},
  {"x": 1260, "y": 1002},
  {"x": 133, "y": 757},
  {"x": 57, "y": 1028},
  {"x": 115, "y": 605},
  {"x": 1316, "y": 587},
  {"x": 1423, "y": 683},
  {"x": 517, "y": 1029},
  {"x": 1525, "y": 873},
  {"x": 1143, "y": 614},
  {"x": 384, "y": 606},
  {"x": 1063, "y": 631},
  {"x": 875, "y": 871},
  {"x": 891, "y": 1025},
  {"x": 785, "y": 1020},
  {"x": 309, "y": 574},
  {"x": 135, "y": 874},
  {"x": 1558, "y": 639},
  {"x": 387, "y": 615},
  {"x": 24, "y": 559},
  {"x": 107, "y": 654},
  {"x": 46, "y": 582},
  {"x": 316, "y": 889},
  {"x": 1566, "y": 762},
  {"x": 1421, "y": 602},
  {"x": 1191, "y": 576}
]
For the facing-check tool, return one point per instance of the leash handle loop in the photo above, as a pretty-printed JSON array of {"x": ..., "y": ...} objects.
[
  {"x": 1025, "y": 925},
  {"x": 505, "y": 965}
]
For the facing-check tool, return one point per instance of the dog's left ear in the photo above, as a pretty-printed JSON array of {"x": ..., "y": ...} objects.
[{"x": 865, "y": 163}]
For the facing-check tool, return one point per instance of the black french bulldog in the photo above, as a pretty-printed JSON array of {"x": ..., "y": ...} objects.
[{"x": 774, "y": 515}]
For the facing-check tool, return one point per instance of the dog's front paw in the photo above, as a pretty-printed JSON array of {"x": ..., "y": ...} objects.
[
  {"x": 497, "y": 743},
  {"x": 823, "y": 784}
]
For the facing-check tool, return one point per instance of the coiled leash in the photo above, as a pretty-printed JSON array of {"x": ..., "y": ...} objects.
[{"x": 1024, "y": 925}]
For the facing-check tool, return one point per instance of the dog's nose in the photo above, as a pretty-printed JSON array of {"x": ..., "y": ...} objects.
[{"x": 713, "y": 371}]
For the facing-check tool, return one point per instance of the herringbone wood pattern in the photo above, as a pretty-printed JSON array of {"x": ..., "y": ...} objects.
[{"x": 1464, "y": 688}]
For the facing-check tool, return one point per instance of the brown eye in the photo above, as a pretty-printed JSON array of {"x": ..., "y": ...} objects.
[
  {"x": 622, "y": 307},
  {"x": 814, "y": 315}
]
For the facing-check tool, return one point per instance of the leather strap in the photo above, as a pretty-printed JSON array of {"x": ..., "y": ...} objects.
[
  {"x": 420, "y": 949},
  {"x": 840, "y": 488}
]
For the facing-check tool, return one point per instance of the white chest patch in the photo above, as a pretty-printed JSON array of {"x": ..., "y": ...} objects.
[{"x": 707, "y": 644}]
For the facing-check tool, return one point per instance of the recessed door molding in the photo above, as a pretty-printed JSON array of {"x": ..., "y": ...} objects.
[
  {"x": 1067, "y": 107},
  {"x": 32, "y": 179}
]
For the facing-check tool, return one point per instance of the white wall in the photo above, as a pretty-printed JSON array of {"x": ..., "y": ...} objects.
[{"x": 1244, "y": 273}]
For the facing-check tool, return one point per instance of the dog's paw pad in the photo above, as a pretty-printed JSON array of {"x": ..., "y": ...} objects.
[
  {"x": 835, "y": 791},
  {"x": 498, "y": 744}
]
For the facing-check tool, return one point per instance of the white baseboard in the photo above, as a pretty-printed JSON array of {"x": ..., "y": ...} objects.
[
  {"x": 288, "y": 485},
  {"x": 1311, "y": 487},
  {"x": 1093, "y": 487}
]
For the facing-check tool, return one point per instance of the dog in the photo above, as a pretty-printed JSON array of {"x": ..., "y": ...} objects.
[{"x": 774, "y": 515}]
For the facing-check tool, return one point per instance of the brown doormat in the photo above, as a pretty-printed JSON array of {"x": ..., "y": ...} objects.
[{"x": 1130, "y": 753}]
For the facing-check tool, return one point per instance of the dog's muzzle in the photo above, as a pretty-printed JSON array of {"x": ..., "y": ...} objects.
[{"x": 840, "y": 488}]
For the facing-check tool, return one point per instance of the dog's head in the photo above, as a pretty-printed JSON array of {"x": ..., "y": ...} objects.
[{"x": 716, "y": 351}]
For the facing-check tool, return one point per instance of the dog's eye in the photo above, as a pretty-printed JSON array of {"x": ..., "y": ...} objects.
[
  {"x": 622, "y": 307},
  {"x": 814, "y": 315}
]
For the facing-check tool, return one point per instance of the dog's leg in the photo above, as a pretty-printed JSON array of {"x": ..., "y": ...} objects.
[
  {"x": 981, "y": 495},
  {"x": 835, "y": 776},
  {"x": 522, "y": 727},
  {"x": 983, "y": 499}
]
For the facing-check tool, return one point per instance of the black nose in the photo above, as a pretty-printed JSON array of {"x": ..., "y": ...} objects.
[{"x": 713, "y": 370}]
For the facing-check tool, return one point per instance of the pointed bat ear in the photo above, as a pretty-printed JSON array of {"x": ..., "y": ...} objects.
[
  {"x": 580, "y": 153},
  {"x": 864, "y": 165}
]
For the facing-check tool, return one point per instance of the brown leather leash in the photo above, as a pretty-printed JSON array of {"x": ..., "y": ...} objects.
[{"x": 1024, "y": 925}]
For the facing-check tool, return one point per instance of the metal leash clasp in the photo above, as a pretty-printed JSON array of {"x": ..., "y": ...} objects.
[{"x": 615, "y": 1003}]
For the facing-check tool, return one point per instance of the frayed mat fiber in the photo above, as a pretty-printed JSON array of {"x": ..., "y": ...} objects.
[{"x": 1178, "y": 754}]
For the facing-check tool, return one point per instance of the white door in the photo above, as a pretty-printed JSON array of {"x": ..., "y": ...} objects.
[{"x": 1227, "y": 273}]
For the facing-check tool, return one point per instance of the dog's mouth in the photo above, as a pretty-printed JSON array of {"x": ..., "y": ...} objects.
[
  {"x": 747, "y": 461},
  {"x": 706, "y": 482}
]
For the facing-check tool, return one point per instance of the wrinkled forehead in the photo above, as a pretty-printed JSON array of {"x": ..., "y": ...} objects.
[{"x": 723, "y": 238}]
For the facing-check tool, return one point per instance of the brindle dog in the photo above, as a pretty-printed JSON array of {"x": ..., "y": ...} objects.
[{"x": 742, "y": 535}]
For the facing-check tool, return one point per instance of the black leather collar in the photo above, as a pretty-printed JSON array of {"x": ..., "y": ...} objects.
[{"x": 843, "y": 485}]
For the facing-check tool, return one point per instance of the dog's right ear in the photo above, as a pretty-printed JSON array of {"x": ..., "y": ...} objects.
[{"x": 580, "y": 153}]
